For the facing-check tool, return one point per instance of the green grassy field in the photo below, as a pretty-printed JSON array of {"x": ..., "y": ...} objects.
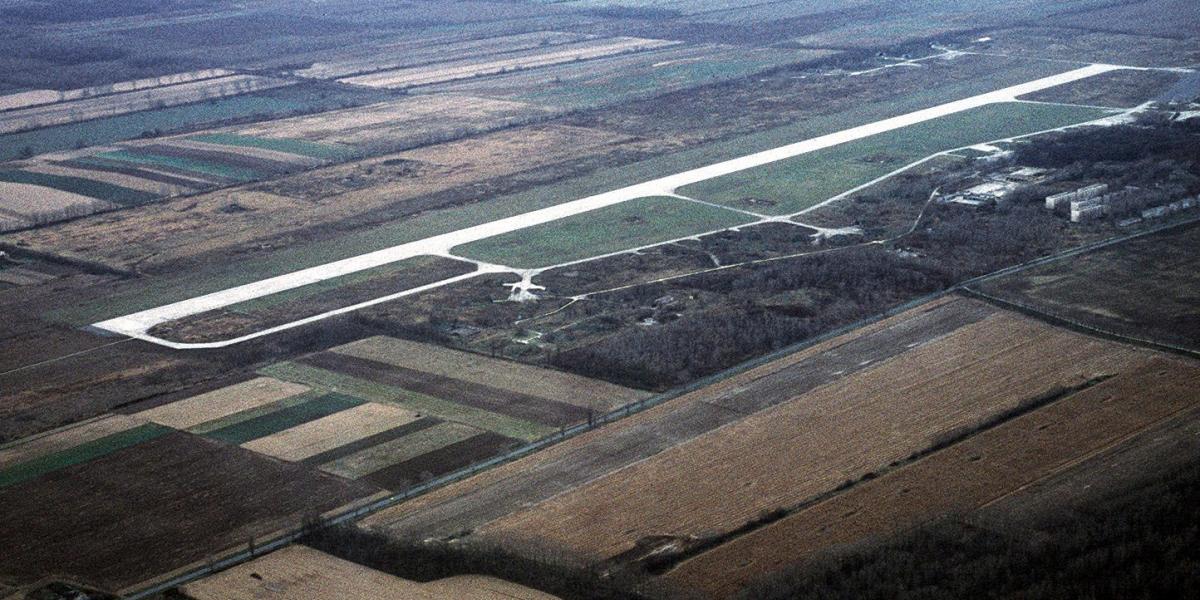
[
  {"x": 612, "y": 229},
  {"x": 420, "y": 403},
  {"x": 80, "y": 454},
  {"x": 288, "y": 145},
  {"x": 792, "y": 185},
  {"x": 285, "y": 418},
  {"x": 78, "y": 185},
  {"x": 274, "y": 103},
  {"x": 198, "y": 167}
]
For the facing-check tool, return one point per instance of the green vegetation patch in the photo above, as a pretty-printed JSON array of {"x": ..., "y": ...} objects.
[
  {"x": 289, "y": 145},
  {"x": 285, "y": 418},
  {"x": 419, "y": 403},
  {"x": 631, "y": 224},
  {"x": 199, "y": 167},
  {"x": 82, "y": 453},
  {"x": 84, "y": 187},
  {"x": 791, "y": 185},
  {"x": 267, "y": 104}
]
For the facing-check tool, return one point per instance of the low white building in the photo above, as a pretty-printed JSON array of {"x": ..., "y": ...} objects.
[{"x": 1084, "y": 193}]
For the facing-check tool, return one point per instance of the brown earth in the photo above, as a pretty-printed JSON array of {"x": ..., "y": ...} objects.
[
  {"x": 142, "y": 512},
  {"x": 446, "y": 459},
  {"x": 493, "y": 372},
  {"x": 961, "y": 478}
]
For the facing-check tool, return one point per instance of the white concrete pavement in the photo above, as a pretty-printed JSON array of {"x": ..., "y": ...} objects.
[{"x": 137, "y": 325}]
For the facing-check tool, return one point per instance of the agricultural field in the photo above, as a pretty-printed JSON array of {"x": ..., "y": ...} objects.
[
  {"x": 509, "y": 488},
  {"x": 400, "y": 124},
  {"x": 25, "y": 205},
  {"x": 442, "y": 72},
  {"x": 118, "y": 492},
  {"x": 1107, "y": 289},
  {"x": 626, "y": 77},
  {"x": 959, "y": 479},
  {"x": 390, "y": 412},
  {"x": 409, "y": 54},
  {"x": 814, "y": 442},
  {"x": 302, "y": 573},
  {"x": 639, "y": 222},
  {"x": 276, "y": 102},
  {"x": 795, "y": 184},
  {"x": 88, "y": 108},
  {"x": 61, "y": 186}
]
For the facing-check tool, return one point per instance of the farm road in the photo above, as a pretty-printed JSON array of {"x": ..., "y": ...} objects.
[{"x": 573, "y": 464}]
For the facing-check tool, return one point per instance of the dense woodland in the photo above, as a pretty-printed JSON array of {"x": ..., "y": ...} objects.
[{"x": 753, "y": 311}]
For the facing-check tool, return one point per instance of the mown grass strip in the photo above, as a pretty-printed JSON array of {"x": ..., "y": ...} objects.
[
  {"x": 286, "y": 418},
  {"x": 797, "y": 183},
  {"x": 78, "y": 185},
  {"x": 323, "y": 151},
  {"x": 199, "y": 167},
  {"x": 80, "y": 454},
  {"x": 426, "y": 405},
  {"x": 627, "y": 225}
]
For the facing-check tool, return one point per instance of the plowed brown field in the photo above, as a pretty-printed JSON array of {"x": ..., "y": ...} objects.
[
  {"x": 814, "y": 442},
  {"x": 958, "y": 479}
]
